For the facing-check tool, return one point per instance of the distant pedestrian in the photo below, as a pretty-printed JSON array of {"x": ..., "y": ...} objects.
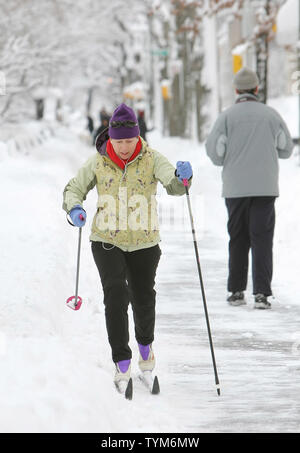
[
  {"x": 142, "y": 124},
  {"x": 247, "y": 140},
  {"x": 103, "y": 126},
  {"x": 103, "y": 114},
  {"x": 90, "y": 124}
]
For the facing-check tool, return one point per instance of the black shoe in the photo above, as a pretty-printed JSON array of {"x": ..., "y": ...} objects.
[
  {"x": 236, "y": 299},
  {"x": 261, "y": 302}
]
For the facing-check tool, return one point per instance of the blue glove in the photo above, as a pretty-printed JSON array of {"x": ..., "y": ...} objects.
[
  {"x": 78, "y": 216},
  {"x": 184, "y": 170}
]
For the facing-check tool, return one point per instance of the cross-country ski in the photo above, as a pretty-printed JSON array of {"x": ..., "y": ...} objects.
[{"x": 150, "y": 382}]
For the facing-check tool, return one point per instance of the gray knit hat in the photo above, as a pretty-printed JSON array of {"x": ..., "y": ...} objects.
[{"x": 245, "y": 79}]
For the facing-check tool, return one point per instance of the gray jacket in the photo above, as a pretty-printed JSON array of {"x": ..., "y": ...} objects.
[{"x": 247, "y": 140}]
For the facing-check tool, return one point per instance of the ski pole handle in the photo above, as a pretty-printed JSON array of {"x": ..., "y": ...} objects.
[{"x": 185, "y": 182}]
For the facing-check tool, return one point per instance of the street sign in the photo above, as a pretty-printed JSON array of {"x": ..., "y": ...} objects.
[{"x": 160, "y": 52}]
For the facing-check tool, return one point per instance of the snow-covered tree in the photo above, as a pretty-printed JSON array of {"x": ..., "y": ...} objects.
[
  {"x": 266, "y": 12},
  {"x": 73, "y": 45},
  {"x": 175, "y": 28}
]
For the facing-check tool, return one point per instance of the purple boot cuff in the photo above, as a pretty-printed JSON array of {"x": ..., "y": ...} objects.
[
  {"x": 144, "y": 350},
  {"x": 124, "y": 365}
]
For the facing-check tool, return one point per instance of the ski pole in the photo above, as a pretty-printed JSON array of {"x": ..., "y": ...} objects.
[
  {"x": 75, "y": 302},
  {"x": 77, "y": 270},
  {"x": 185, "y": 182}
]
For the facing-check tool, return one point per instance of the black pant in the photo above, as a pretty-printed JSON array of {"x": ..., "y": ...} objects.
[
  {"x": 127, "y": 276},
  {"x": 251, "y": 225}
]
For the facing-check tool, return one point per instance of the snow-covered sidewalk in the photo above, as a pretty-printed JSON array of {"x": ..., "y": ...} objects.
[{"x": 55, "y": 364}]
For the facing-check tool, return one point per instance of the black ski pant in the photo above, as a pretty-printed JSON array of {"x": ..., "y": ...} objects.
[
  {"x": 127, "y": 277},
  {"x": 251, "y": 222}
]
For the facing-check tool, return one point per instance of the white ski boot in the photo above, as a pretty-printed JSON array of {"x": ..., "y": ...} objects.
[
  {"x": 146, "y": 365},
  {"x": 122, "y": 379},
  {"x": 146, "y": 358}
]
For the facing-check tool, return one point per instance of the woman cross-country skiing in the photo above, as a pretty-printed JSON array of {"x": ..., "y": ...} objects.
[{"x": 125, "y": 235}]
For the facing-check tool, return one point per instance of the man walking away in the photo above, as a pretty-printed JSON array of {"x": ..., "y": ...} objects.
[{"x": 247, "y": 140}]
